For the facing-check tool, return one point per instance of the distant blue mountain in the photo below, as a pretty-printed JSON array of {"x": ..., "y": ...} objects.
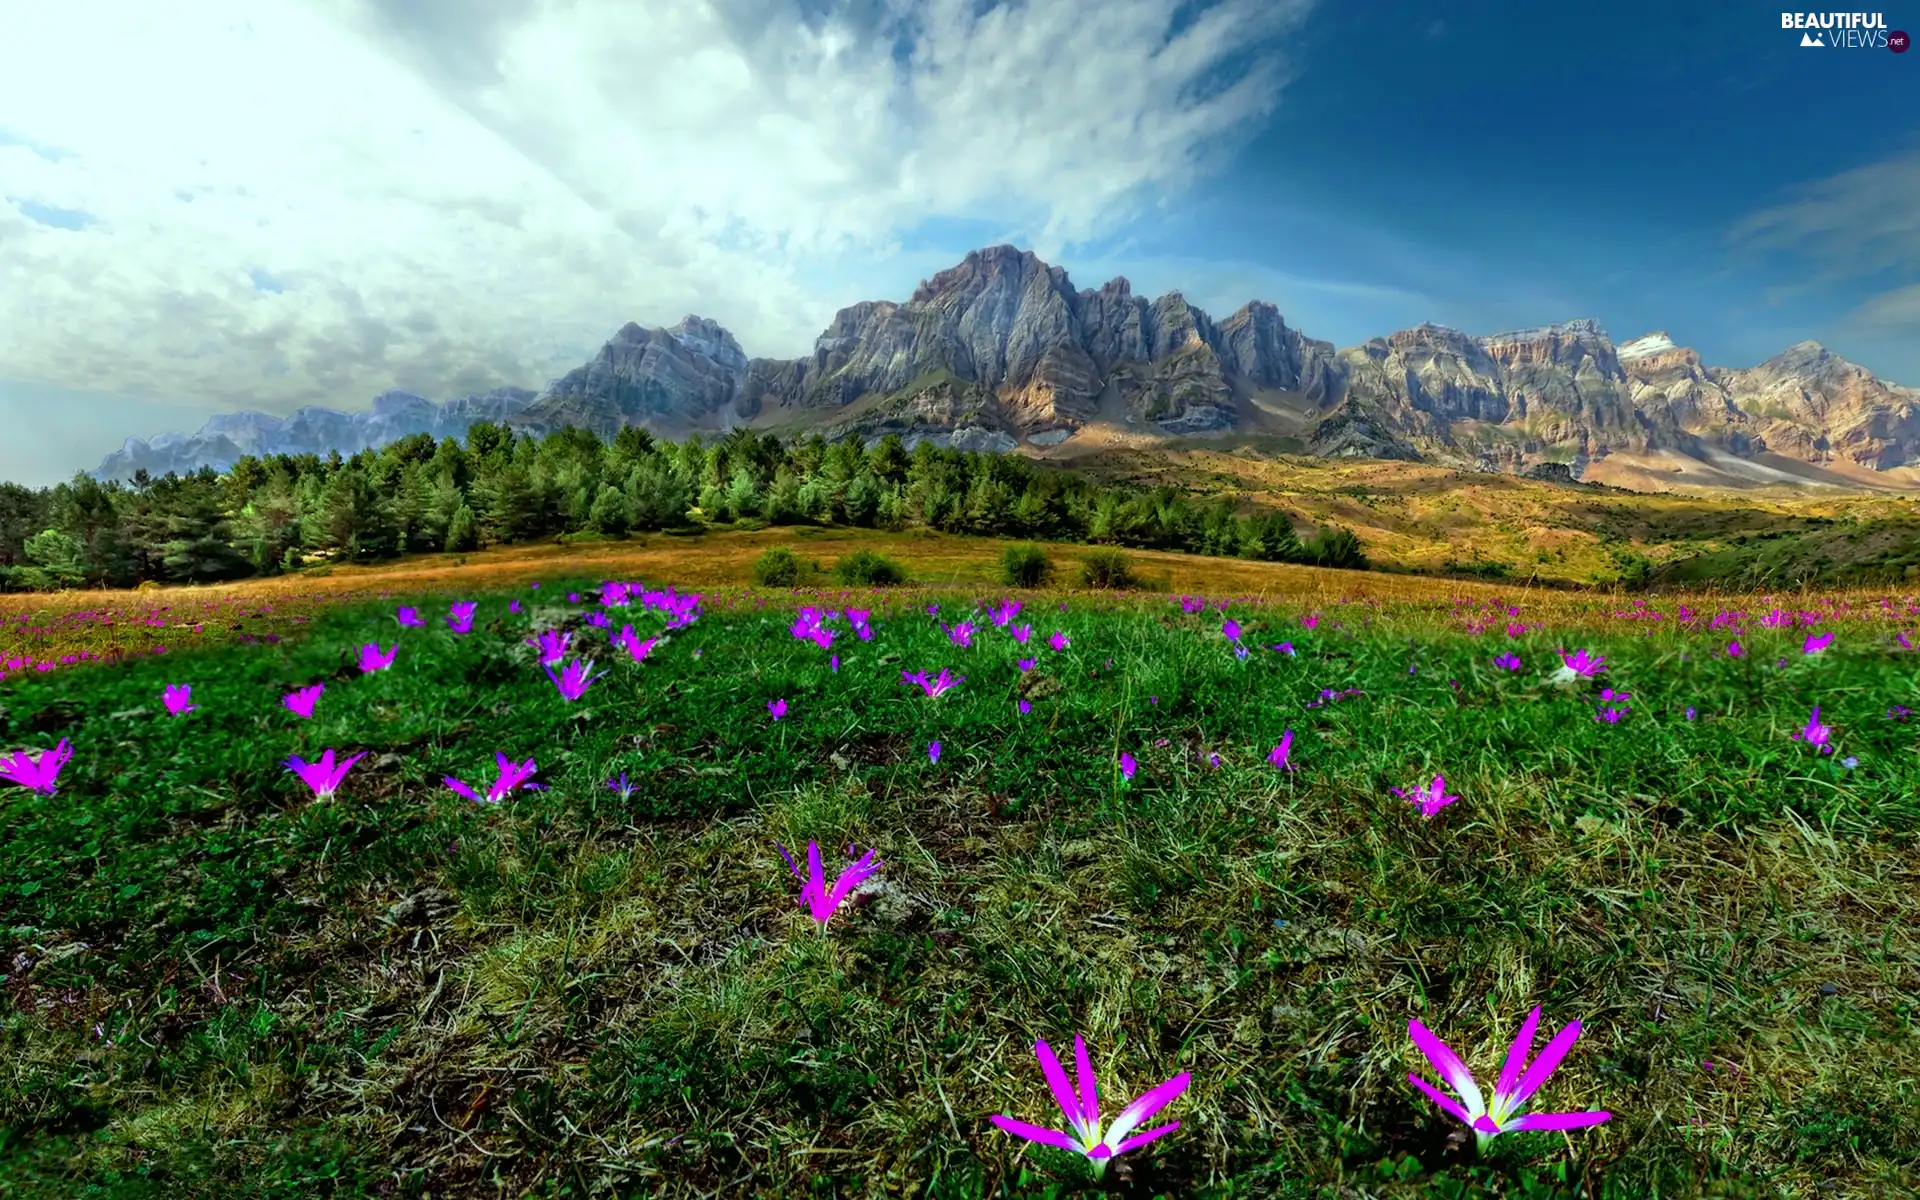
[{"x": 228, "y": 437}]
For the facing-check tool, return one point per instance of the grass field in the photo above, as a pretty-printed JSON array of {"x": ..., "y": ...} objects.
[{"x": 218, "y": 984}]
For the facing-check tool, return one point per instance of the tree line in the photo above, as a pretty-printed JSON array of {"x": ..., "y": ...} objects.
[{"x": 281, "y": 512}]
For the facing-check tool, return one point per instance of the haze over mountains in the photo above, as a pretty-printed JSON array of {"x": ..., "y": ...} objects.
[{"x": 1001, "y": 352}]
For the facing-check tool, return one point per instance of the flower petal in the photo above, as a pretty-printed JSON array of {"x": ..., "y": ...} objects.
[
  {"x": 1133, "y": 1115},
  {"x": 1544, "y": 1065},
  {"x": 1034, "y": 1133},
  {"x": 1517, "y": 1056},
  {"x": 1062, "y": 1090},
  {"x": 1089, "y": 1095},
  {"x": 1579, "y": 1120},
  {"x": 1447, "y": 1103},
  {"x": 1451, "y": 1068},
  {"x": 1140, "y": 1139}
]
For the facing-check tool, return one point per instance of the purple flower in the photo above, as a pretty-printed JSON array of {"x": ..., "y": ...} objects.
[
  {"x": 1431, "y": 798},
  {"x": 1083, "y": 1111},
  {"x": 1733, "y": 649},
  {"x": 1816, "y": 642},
  {"x": 961, "y": 634},
  {"x": 1231, "y": 630},
  {"x": 1025, "y": 707},
  {"x": 513, "y": 606},
  {"x": 1518, "y": 1081},
  {"x": 408, "y": 616},
  {"x": 778, "y": 708},
  {"x": 300, "y": 701},
  {"x": 819, "y": 901},
  {"x": 177, "y": 697},
  {"x": 1282, "y": 752},
  {"x": 1507, "y": 662},
  {"x": 1283, "y": 647},
  {"x": 552, "y": 645},
  {"x": 373, "y": 658},
  {"x": 1899, "y": 712},
  {"x": 938, "y": 685},
  {"x": 1021, "y": 633},
  {"x": 1815, "y": 734},
  {"x": 1611, "y": 716},
  {"x": 1689, "y": 712},
  {"x": 1026, "y": 664},
  {"x": 324, "y": 776},
  {"x": 1311, "y": 620},
  {"x": 1579, "y": 665},
  {"x": 1240, "y": 651},
  {"x": 460, "y": 616},
  {"x": 512, "y": 775},
  {"x": 1128, "y": 765},
  {"x": 620, "y": 787},
  {"x": 833, "y": 664},
  {"x": 1059, "y": 640},
  {"x": 573, "y": 679},
  {"x": 40, "y": 773},
  {"x": 933, "y": 751}
]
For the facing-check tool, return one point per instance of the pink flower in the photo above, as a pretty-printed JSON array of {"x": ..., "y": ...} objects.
[
  {"x": 176, "y": 698},
  {"x": 1518, "y": 1081},
  {"x": 1816, "y": 642},
  {"x": 778, "y": 708},
  {"x": 1579, "y": 665},
  {"x": 933, "y": 752},
  {"x": 1815, "y": 734},
  {"x": 821, "y": 903},
  {"x": 40, "y": 773},
  {"x": 1059, "y": 640},
  {"x": 300, "y": 702},
  {"x": 408, "y": 616},
  {"x": 573, "y": 680},
  {"x": 1282, "y": 752},
  {"x": 373, "y": 658},
  {"x": 512, "y": 775},
  {"x": 1083, "y": 1111},
  {"x": 1431, "y": 798},
  {"x": 552, "y": 644},
  {"x": 324, "y": 776},
  {"x": 1128, "y": 765},
  {"x": 1507, "y": 662}
]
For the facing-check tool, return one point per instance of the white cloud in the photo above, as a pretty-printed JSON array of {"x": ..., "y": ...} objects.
[
  {"x": 1859, "y": 222},
  {"x": 454, "y": 195}
]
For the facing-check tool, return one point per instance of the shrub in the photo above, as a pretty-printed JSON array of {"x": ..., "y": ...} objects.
[
  {"x": 866, "y": 568},
  {"x": 1334, "y": 546},
  {"x": 1025, "y": 567},
  {"x": 776, "y": 567},
  {"x": 1106, "y": 568}
]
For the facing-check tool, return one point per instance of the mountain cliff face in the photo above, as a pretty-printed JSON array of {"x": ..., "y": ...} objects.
[
  {"x": 228, "y": 437},
  {"x": 1001, "y": 350}
]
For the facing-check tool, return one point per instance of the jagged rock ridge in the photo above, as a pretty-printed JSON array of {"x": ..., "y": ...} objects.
[{"x": 1001, "y": 350}]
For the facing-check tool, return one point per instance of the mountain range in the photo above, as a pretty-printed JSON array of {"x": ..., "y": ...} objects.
[{"x": 1001, "y": 352}]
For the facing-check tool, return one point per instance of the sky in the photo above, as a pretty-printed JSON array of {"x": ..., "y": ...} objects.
[{"x": 269, "y": 203}]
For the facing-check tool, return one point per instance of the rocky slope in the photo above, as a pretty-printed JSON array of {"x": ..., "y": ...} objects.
[
  {"x": 1001, "y": 351},
  {"x": 228, "y": 437}
]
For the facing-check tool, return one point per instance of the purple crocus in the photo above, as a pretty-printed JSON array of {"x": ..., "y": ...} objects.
[
  {"x": 1282, "y": 752},
  {"x": 324, "y": 776},
  {"x": 300, "y": 701},
  {"x": 1815, "y": 734},
  {"x": 460, "y": 616},
  {"x": 777, "y": 707},
  {"x": 178, "y": 698},
  {"x": 408, "y": 616},
  {"x": 1816, "y": 642},
  {"x": 373, "y": 658},
  {"x": 621, "y": 788},
  {"x": 1431, "y": 798},
  {"x": 1059, "y": 640},
  {"x": 1020, "y": 633},
  {"x": 1230, "y": 629},
  {"x": 1733, "y": 649},
  {"x": 1579, "y": 665},
  {"x": 961, "y": 634},
  {"x": 1128, "y": 765},
  {"x": 1518, "y": 1081},
  {"x": 933, "y": 751},
  {"x": 512, "y": 775},
  {"x": 1025, "y": 664},
  {"x": 820, "y": 902},
  {"x": 552, "y": 645},
  {"x": 1507, "y": 662},
  {"x": 40, "y": 773},
  {"x": 573, "y": 679},
  {"x": 1083, "y": 1111},
  {"x": 938, "y": 685},
  {"x": 1025, "y": 707}
]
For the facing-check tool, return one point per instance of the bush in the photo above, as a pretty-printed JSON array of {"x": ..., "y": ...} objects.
[
  {"x": 1025, "y": 567},
  {"x": 1106, "y": 568},
  {"x": 866, "y": 568},
  {"x": 1334, "y": 546},
  {"x": 776, "y": 567}
]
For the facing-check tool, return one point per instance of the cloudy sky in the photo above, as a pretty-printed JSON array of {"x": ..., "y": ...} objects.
[{"x": 269, "y": 203}]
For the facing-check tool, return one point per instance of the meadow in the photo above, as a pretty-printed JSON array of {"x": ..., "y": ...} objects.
[{"x": 1176, "y": 823}]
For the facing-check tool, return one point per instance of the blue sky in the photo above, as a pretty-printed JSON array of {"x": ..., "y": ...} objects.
[{"x": 414, "y": 200}]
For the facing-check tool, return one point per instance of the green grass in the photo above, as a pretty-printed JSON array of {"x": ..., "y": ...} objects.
[{"x": 217, "y": 985}]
